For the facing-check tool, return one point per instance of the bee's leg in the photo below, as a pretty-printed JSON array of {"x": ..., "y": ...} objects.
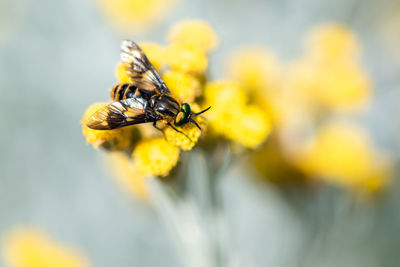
[
  {"x": 155, "y": 126},
  {"x": 169, "y": 124},
  {"x": 161, "y": 130}
]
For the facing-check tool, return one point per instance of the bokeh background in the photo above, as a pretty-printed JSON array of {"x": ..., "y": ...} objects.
[{"x": 57, "y": 57}]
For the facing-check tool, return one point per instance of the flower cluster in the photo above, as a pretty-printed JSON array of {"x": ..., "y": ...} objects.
[
  {"x": 233, "y": 116},
  {"x": 30, "y": 247},
  {"x": 301, "y": 98},
  {"x": 182, "y": 64},
  {"x": 343, "y": 154}
]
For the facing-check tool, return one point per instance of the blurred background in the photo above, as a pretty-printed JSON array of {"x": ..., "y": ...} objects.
[{"x": 58, "y": 57}]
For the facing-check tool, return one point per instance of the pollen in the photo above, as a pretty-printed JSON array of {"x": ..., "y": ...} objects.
[
  {"x": 155, "y": 53},
  {"x": 194, "y": 33},
  {"x": 182, "y": 85},
  {"x": 189, "y": 136},
  {"x": 34, "y": 248},
  {"x": 155, "y": 157},
  {"x": 117, "y": 139},
  {"x": 186, "y": 59}
]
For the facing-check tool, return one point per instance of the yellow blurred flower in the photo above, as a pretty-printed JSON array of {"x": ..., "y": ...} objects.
[
  {"x": 340, "y": 86},
  {"x": 195, "y": 34},
  {"x": 155, "y": 157},
  {"x": 155, "y": 53},
  {"x": 219, "y": 94},
  {"x": 135, "y": 15},
  {"x": 255, "y": 68},
  {"x": 182, "y": 85},
  {"x": 251, "y": 128},
  {"x": 186, "y": 59},
  {"x": 121, "y": 73},
  {"x": 332, "y": 42},
  {"x": 232, "y": 117},
  {"x": 26, "y": 247},
  {"x": 343, "y": 154},
  {"x": 343, "y": 86},
  {"x": 122, "y": 169},
  {"x": 117, "y": 139}
]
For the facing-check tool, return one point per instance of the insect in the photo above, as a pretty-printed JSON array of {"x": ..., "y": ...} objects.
[{"x": 145, "y": 99}]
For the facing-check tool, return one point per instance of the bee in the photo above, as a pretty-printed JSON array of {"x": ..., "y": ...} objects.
[{"x": 145, "y": 100}]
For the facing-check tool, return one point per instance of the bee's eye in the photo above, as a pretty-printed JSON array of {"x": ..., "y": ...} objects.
[
  {"x": 183, "y": 116},
  {"x": 180, "y": 119},
  {"x": 185, "y": 108}
]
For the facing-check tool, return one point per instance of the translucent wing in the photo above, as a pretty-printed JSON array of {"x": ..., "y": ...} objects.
[
  {"x": 141, "y": 71},
  {"x": 119, "y": 114}
]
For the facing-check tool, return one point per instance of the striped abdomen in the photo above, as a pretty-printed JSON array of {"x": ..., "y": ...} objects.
[{"x": 122, "y": 91}]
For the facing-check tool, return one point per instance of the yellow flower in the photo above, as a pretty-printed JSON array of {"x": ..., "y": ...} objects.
[
  {"x": 248, "y": 125},
  {"x": 186, "y": 59},
  {"x": 341, "y": 86},
  {"x": 190, "y": 137},
  {"x": 135, "y": 15},
  {"x": 252, "y": 127},
  {"x": 183, "y": 86},
  {"x": 24, "y": 247},
  {"x": 196, "y": 34},
  {"x": 332, "y": 42},
  {"x": 121, "y": 73},
  {"x": 117, "y": 139},
  {"x": 255, "y": 68},
  {"x": 224, "y": 93},
  {"x": 155, "y": 157},
  {"x": 343, "y": 154},
  {"x": 155, "y": 53},
  {"x": 232, "y": 117},
  {"x": 121, "y": 168}
]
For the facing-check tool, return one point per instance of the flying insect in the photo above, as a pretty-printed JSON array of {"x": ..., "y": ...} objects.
[{"x": 146, "y": 99}]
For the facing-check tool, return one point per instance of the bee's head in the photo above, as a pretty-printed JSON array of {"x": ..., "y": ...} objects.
[{"x": 185, "y": 115}]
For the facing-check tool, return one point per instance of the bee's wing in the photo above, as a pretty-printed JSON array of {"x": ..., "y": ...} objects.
[
  {"x": 118, "y": 114},
  {"x": 141, "y": 71}
]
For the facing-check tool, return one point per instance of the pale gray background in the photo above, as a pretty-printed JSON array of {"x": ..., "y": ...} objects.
[{"x": 57, "y": 57}]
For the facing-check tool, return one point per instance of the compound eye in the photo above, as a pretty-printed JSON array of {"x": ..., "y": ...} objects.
[
  {"x": 185, "y": 108},
  {"x": 180, "y": 119}
]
